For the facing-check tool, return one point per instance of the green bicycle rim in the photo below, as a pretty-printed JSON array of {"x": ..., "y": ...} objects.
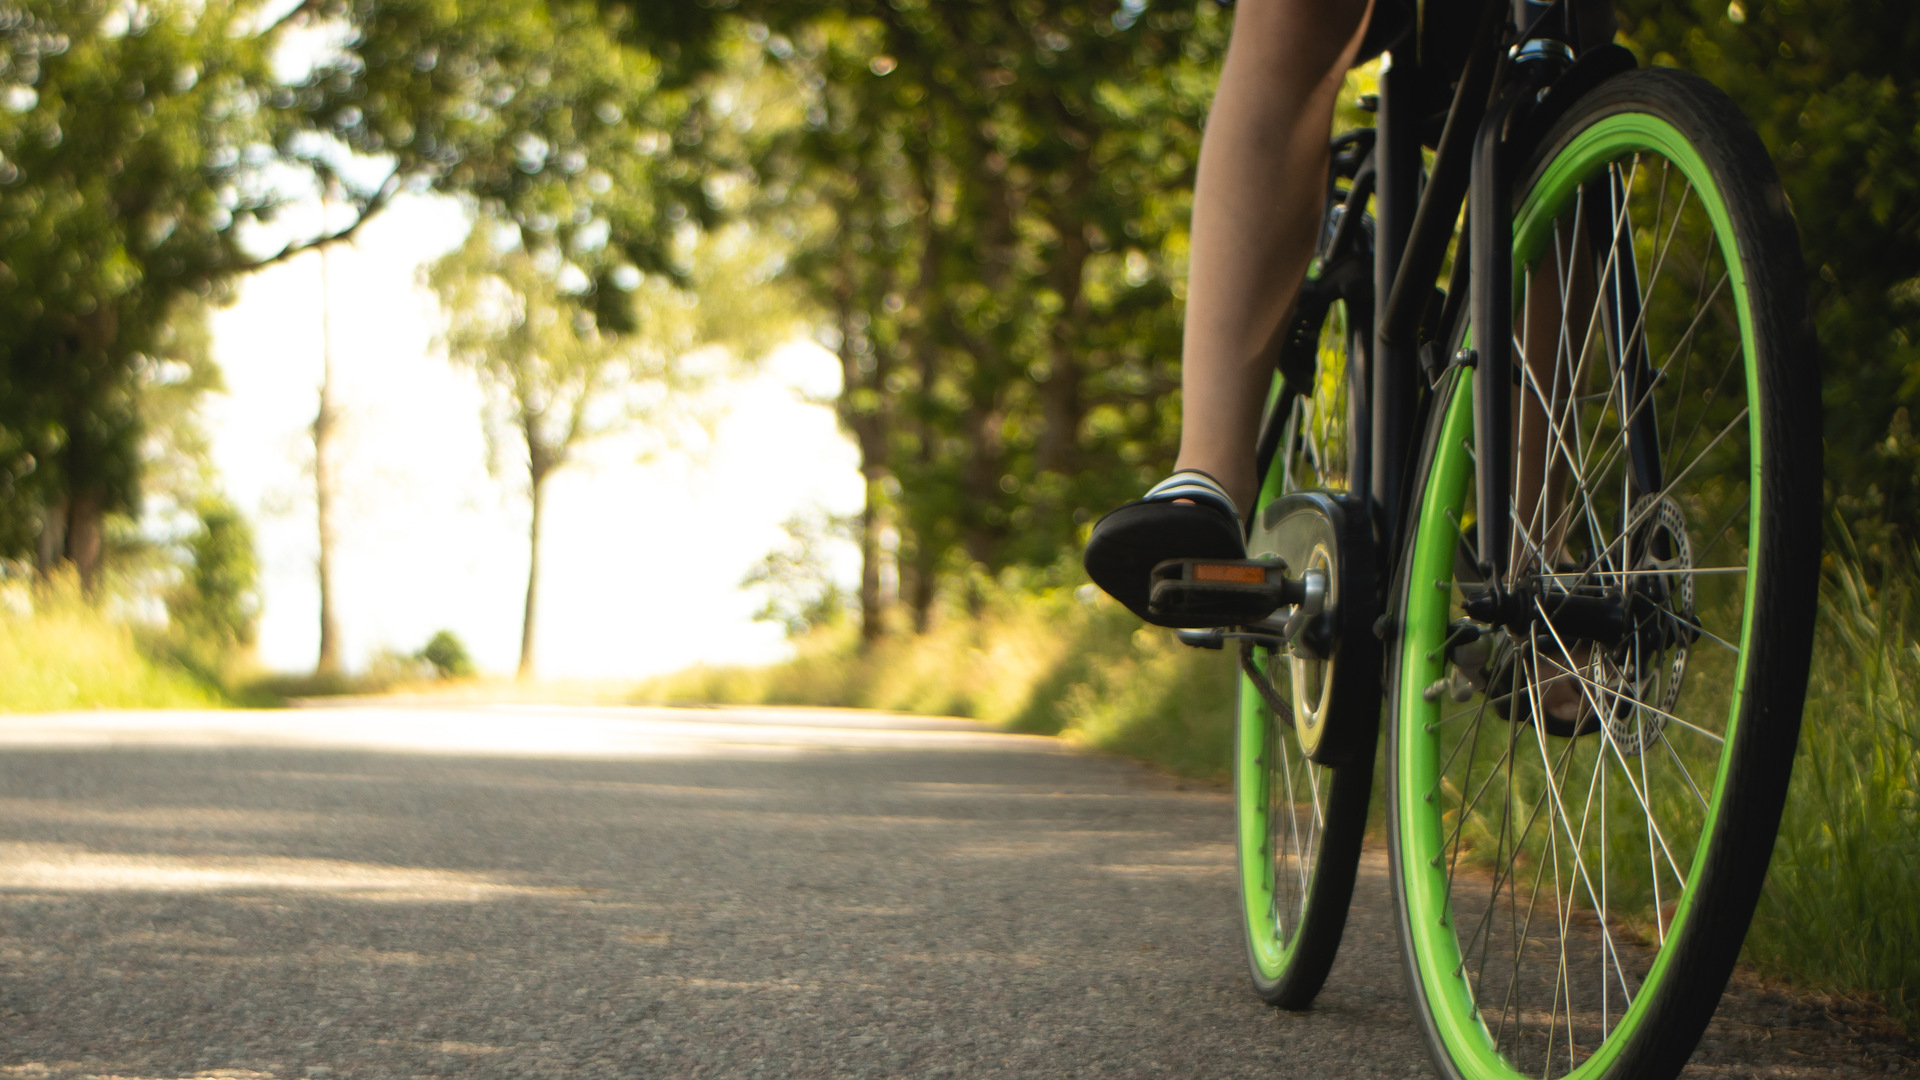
[
  {"x": 1436, "y": 948},
  {"x": 1271, "y": 954}
]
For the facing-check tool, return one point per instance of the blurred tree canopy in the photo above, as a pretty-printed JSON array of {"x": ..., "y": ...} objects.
[
  {"x": 143, "y": 146},
  {"x": 984, "y": 206},
  {"x": 1833, "y": 87},
  {"x": 987, "y": 206},
  {"x": 126, "y": 133},
  {"x": 795, "y": 580}
]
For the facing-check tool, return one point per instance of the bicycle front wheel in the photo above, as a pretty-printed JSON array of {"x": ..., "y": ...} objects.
[{"x": 1584, "y": 789}]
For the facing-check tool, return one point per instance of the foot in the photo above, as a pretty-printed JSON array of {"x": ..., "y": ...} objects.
[
  {"x": 1186, "y": 516},
  {"x": 1555, "y": 683}
]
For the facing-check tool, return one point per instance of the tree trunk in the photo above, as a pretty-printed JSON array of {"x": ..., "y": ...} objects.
[
  {"x": 323, "y": 486},
  {"x": 1060, "y": 402},
  {"x": 53, "y": 538},
  {"x": 525, "y": 670},
  {"x": 86, "y": 519},
  {"x": 92, "y": 465},
  {"x": 986, "y": 525},
  {"x": 872, "y": 607},
  {"x": 869, "y": 424},
  {"x": 920, "y": 590}
]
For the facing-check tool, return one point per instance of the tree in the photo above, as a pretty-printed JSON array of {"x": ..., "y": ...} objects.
[
  {"x": 796, "y": 579},
  {"x": 138, "y": 143},
  {"x": 124, "y": 155},
  {"x": 556, "y": 378},
  {"x": 987, "y": 206},
  {"x": 1832, "y": 87}
]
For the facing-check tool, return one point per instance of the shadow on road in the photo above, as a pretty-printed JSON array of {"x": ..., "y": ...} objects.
[{"x": 844, "y": 899}]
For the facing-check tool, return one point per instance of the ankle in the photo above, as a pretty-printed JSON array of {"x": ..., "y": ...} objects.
[{"x": 1236, "y": 482}]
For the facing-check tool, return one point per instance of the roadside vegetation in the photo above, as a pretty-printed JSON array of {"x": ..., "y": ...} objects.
[
  {"x": 1842, "y": 907},
  {"x": 59, "y": 651},
  {"x": 1043, "y": 654},
  {"x": 980, "y": 210}
]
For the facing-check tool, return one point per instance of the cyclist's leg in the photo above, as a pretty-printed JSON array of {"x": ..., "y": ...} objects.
[
  {"x": 1256, "y": 209},
  {"x": 1558, "y": 356}
]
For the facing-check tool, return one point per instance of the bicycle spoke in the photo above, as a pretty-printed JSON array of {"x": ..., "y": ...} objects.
[
  {"x": 1610, "y": 662},
  {"x": 1587, "y": 688}
]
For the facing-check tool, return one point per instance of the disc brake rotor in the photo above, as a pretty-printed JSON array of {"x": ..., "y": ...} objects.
[{"x": 1637, "y": 683}]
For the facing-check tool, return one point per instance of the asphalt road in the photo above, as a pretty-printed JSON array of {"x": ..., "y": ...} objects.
[{"x": 580, "y": 892}]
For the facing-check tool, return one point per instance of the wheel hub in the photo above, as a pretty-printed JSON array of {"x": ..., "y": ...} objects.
[
  {"x": 1620, "y": 632},
  {"x": 1325, "y": 538},
  {"x": 1649, "y": 666}
]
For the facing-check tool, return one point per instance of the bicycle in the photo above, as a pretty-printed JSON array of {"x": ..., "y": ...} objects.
[{"x": 1592, "y": 707}]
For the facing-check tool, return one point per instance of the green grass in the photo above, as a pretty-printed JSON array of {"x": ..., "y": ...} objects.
[
  {"x": 1056, "y": 661},
  {"x": 1842, "y": 906},
  {"x": 58, "y": 651},
  {"x": 1841, "y": 913}
]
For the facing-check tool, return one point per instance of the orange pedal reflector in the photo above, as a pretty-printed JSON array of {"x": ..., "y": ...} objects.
[{"x": 1247, "y": 575}]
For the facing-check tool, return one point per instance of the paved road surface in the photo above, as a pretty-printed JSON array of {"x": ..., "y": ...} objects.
[{"x": 532, "y": 892}]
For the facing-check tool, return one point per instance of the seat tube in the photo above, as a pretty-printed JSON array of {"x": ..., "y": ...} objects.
[{"x": 1396, "y": 198}]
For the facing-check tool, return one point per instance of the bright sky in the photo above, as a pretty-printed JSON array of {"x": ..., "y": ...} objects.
[{"x": 641, "y": 563}]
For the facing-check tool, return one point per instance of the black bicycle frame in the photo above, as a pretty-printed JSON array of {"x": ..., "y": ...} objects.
[{"x": 1520, "y": 74}]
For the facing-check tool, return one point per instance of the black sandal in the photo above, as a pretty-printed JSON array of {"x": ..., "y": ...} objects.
[{"x": 1131, "y": 540}]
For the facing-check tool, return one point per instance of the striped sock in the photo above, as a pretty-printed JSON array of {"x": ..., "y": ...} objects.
[{"x": 1196, "y": 485}]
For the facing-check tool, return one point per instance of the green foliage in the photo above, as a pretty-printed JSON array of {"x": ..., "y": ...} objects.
[
  {"x": 1842, "y": 906},
  {"x": 126, "y": 155},
  {"x": 60, "y": 650},
  {"x": 557, "y": 376},
  {"x": 218, "y": 603},
  {"x": 448, "y": 655},
  {"x": 138, "y": 143},
  {"x": 795, "y": 578},
  {"x": 1833, "y": 90},
  {"x": 1038, "y": 657},
  {"x": 535, "y": 111},
  {"x": 987, "y": 206}
]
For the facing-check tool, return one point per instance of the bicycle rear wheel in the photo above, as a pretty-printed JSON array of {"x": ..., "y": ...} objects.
[
  {"x": 1583, "y": 791},
  {"x": 1301, "y": 822}
]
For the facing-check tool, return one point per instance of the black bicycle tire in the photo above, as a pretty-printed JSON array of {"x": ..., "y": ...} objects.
[
  {"x": 1323, "y": 925},
  {"x": 1726, "y": 888},
  {"x": 1357, "y": 688}
]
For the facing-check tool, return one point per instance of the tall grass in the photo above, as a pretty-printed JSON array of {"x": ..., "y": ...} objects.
[
  {"x": 1842, "y": 906},
  {"x": 60, "y": 651},
  {"x": 1049, "y": 661}
]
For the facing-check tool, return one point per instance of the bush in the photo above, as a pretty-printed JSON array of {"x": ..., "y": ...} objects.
[
  {"x": 60, "y": 651},
  {"x": 213, "y": 612},
  {"x": 448, "y": 655},
  {"x": 1042, "y": 658},
  {"x": 218, "y": 602}
]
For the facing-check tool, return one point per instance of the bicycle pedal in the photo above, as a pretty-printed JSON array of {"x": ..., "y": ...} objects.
[
  {"x": 1207, "y": 638},
  {"x": 1220, "y": 592}
]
